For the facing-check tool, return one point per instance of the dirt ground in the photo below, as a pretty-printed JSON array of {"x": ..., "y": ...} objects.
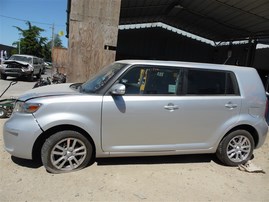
[{"x": 172, "y": 178}]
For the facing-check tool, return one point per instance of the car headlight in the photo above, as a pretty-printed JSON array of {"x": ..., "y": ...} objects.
[
  {"x": 3, "y": 66},
  {"x": 24, "y": 107}
]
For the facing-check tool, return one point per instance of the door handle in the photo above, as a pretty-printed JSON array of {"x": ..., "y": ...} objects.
[
  {"x": 230, "y": 105},
  {"x": 171, "y": 107}
]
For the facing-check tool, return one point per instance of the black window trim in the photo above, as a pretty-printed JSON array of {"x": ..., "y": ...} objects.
[{"x": 227, "y": 72}]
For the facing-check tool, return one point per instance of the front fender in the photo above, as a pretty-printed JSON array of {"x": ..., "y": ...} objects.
[{"x": 82, "y": 112}]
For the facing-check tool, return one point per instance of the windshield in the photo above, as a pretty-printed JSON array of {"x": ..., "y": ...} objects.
[
  {"x": 102, "y": 78},
  {"x": 21, "y": 58}
]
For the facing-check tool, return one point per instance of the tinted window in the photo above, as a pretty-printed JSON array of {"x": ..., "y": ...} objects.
[
  {"x": 144, "y": 80},
  {"x": 35, "y": 61},
  {"x": 208, "y": 82}
]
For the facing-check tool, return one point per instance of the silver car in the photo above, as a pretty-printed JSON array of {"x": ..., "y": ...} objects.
[
  {"x": 141, "y": 108},
  {"x": 21, "y": 66}
]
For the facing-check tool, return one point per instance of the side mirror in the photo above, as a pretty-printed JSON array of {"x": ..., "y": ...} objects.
[{"x": 118, "y": 89}]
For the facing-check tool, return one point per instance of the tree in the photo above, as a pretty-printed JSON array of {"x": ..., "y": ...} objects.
[
  {"x": 47, "y": 48},
  {"x": 57, "y": 41},
  {"x": 31, "y": 42}
]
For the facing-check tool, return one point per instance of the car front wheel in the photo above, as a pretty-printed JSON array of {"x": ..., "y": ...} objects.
[
  {"x": 236, "y": 148},
  {"x": 66, "y": 151},
  {"x": 31, "y": 77},
  {"x": 3, "y": 113},
  {"x": 3, "y": 76}
]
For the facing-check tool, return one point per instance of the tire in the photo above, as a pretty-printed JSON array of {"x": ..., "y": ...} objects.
[
  {"x": 38, "y": 76},
  {"x": 3, "y": 113},
  {"x": 236, "y": 148},
  {"x": 31, "y": 77},
  {"x": 59, "y": 154},
  {"x": 3, "y": 76},
  {"x": 43, "y": 70}
]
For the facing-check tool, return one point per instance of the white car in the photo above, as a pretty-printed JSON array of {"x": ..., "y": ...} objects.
[{"x": 21, "y": 66}]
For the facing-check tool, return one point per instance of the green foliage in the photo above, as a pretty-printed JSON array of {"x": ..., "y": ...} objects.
[
  {"x": 32, "y": 43},
  {"x": 57, "y": 41}
]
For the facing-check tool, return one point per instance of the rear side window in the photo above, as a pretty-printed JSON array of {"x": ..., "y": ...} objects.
[{"x": 210, "y": 82}]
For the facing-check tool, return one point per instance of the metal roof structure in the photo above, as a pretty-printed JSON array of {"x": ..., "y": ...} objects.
[{"x": 216, "y": 20}]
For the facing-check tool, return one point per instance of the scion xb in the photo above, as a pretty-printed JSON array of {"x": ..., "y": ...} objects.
[{"x": 141, "y": 108}]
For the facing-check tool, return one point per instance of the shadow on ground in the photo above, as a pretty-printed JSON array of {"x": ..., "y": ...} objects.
[
  {"x": 26, "y": 163},
  {"x": 178, "y": 159}
]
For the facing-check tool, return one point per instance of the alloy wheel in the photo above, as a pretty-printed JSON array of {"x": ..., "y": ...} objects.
[
  {"x": 68, "y": 154},
  {"x": 238, "y": 148}
]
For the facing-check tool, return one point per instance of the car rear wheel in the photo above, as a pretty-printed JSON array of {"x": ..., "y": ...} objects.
[
  {"x": 66, "y": 151},
  {"x": 38, "y": 76},
  {"x": 236, "y": 148}
]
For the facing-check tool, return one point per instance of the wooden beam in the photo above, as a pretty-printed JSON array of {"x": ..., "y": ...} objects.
[{"x": 93, "y": 27}]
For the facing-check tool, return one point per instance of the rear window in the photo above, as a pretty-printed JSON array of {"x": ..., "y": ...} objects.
[{"x": 210, "y": 82}]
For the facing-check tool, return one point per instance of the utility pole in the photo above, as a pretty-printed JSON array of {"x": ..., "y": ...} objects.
[
  {"x": 52, "y": 37},
  {"x": 52, "y": 44},
  {"x": 19, "y": 47},
  {"x": 19, "y": 43}
]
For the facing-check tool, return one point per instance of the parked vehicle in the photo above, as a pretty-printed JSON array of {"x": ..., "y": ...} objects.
[
  {"x": 21, "y": 66},
  {"x": 141, "y": 108},
  {"x": 43, "y": 66}
]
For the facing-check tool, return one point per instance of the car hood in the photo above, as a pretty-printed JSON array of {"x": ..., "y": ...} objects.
[
  {"x": 50, "y": 90},
  {"x": 15, "y": 62}
]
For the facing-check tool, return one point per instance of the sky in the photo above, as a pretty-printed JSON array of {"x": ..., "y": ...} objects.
[{"x": 41, "y": 13}]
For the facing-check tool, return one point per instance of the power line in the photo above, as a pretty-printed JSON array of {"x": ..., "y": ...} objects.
[{"x": 34, "y": 22}]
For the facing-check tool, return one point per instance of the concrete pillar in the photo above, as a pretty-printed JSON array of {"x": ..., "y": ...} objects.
[{"x": 93, "y": 32}]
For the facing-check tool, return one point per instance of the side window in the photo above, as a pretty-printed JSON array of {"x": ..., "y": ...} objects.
[
  {"x": 208, "y": 82},
  {"x": 151, "y": 80},
  {"x": 231, "y": 85},
  {"x": 35, "y": 61}
]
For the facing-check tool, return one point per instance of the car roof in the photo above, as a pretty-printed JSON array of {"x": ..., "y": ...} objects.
[{"x": 187, "y": 64}]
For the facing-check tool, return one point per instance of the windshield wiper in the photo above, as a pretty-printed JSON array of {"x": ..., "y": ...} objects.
[{"x": 75, "y": 85}]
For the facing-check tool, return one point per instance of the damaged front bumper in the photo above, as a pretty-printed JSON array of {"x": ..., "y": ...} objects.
[{"x": 16, "y": 69}]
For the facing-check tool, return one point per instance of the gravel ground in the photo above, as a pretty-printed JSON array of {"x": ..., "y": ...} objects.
[{"x": 172, "y": 178}]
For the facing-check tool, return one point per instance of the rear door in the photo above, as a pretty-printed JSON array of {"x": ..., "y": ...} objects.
[{"x": 210, "y": 103}]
